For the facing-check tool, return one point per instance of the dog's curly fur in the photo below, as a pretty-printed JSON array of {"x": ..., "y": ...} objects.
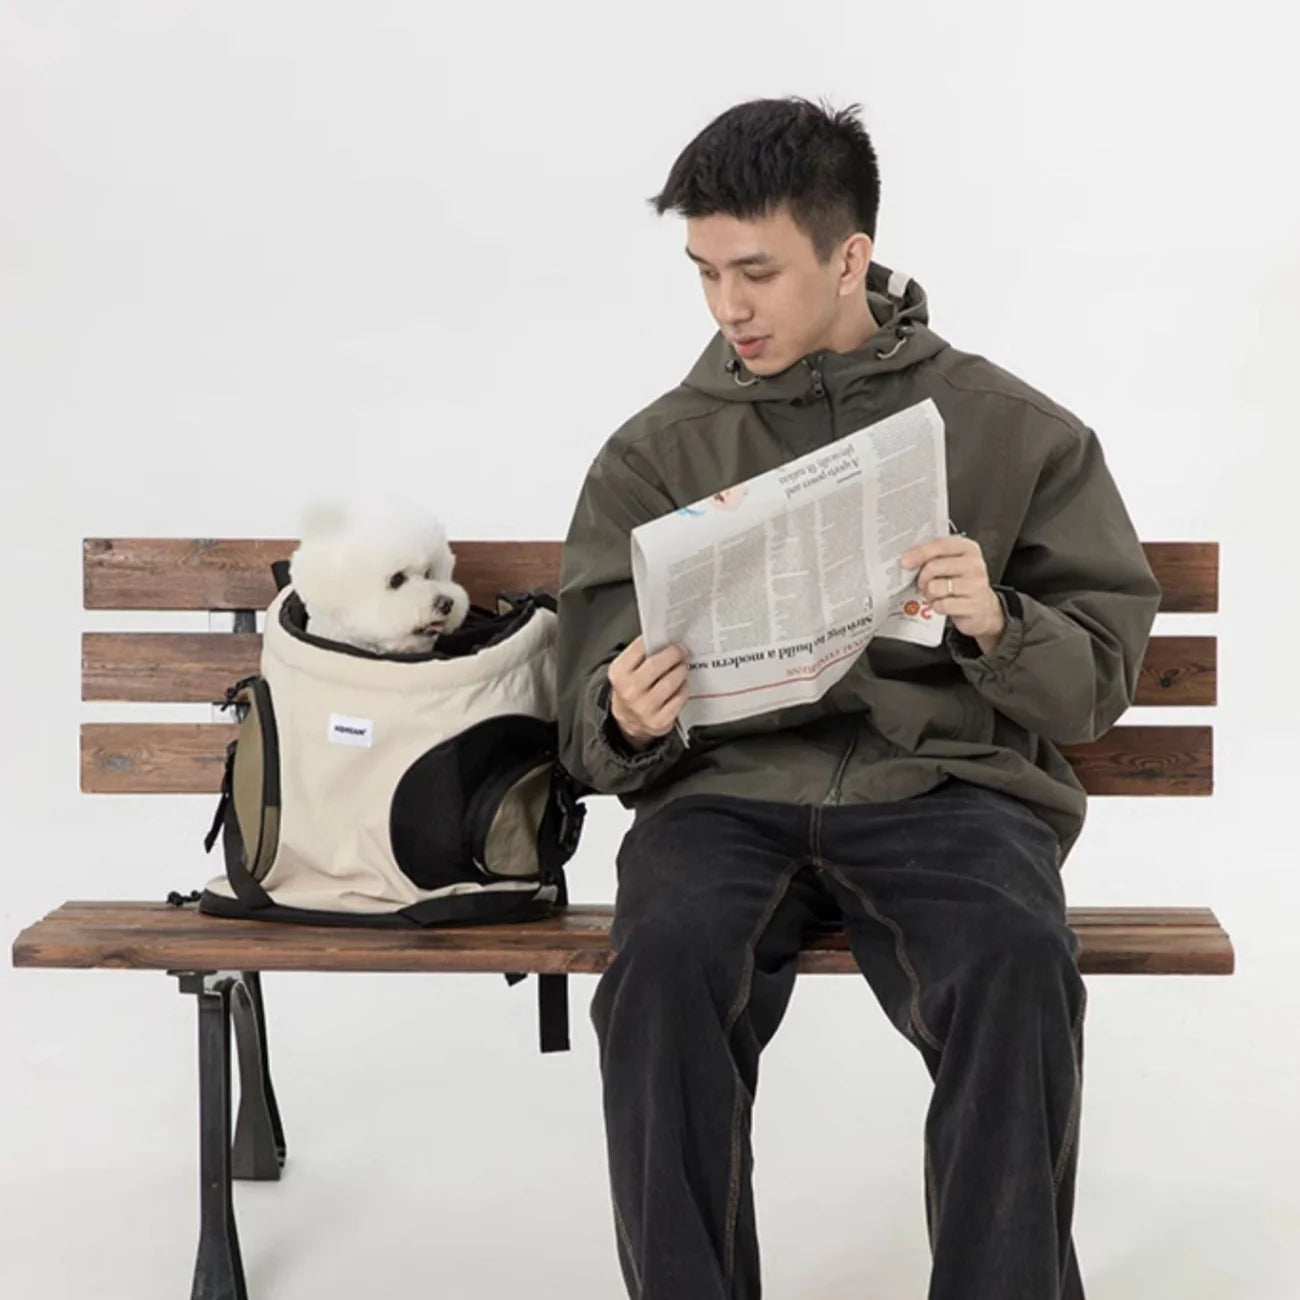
[{"x": 377, "y": 576}]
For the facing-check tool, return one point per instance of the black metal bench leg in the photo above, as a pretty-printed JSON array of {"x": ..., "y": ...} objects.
[
  {"x": 258, "y": 1151},
  {"x": 218, "y": 1270}
]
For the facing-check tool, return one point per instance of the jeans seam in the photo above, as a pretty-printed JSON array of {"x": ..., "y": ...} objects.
[
  {"x": 1076, "y": 1098},
  {"x": 900, "y": 952},
  {"x": 625, "y": 1239},
  {"x": 737, "y": 1110},
  {"x": 932, "y": 1192}
]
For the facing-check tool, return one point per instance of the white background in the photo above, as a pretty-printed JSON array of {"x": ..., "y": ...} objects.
[{"x": 253, "y": 251}]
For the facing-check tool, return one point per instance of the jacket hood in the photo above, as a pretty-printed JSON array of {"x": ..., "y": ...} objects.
[{"x": 899, "y": 306}]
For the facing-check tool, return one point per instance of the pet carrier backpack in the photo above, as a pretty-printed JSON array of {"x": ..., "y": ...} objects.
[
  {"x": 397, "y": 790},
  {"x": 400, "y": 790}
]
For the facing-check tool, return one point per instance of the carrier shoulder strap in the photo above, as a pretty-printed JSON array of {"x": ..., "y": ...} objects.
[{"x": 225, "y": 823}]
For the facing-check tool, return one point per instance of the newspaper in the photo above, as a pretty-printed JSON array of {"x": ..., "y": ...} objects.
[{"x": 776, "y": 585}]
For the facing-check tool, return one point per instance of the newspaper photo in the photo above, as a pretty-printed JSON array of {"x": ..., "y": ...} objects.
[{"x": 775, "y": 585}]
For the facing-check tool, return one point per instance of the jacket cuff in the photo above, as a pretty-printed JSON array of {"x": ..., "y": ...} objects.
[
  {"x": 977, "y": 665},
  {"x": 663, "y": 750}
]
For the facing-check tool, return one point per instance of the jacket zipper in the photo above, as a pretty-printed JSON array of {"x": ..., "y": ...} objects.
[
  {"x": 819, "y": 391},
  {"x": 833, "y": 794}
]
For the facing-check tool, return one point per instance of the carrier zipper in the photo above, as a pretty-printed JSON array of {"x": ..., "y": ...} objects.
[
  {"x": 261, "y": 691},
  {"x": 258, "y": 691}
]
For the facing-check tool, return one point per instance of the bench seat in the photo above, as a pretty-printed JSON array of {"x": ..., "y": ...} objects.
[{"x": 156, "y": 936}]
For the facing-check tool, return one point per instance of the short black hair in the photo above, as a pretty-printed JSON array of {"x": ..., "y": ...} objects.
[{"x": 760, "y": 154}]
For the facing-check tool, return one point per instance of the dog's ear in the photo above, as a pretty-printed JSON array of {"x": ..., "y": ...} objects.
[{"x": 324, "y": 519}]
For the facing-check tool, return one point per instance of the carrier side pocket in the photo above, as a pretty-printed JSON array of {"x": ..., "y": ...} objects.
[
  {"x": 255, "y": 781},
  {"x": 251, "y": 793},
  {"x": 504, "y": 815},
  {"x": 467, "y": 811}
]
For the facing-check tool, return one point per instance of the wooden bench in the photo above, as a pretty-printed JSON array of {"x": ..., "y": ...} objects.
[{"x": 220, "y": 961}]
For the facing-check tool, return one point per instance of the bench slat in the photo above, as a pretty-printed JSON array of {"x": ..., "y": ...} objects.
[
  {"x": 1188, "y": 574},
  {"x": 196, "y": 667},
  {"x": 188, "y": 758},
  {"x": 165, "y": 667},
  {"x": 234, "y": 573},
  {"x": 165, "y": 573},
  {"x": 153, "y": 936},
  {"x": 1146, "y": 760},
  {"x": 581, "y": 917}
]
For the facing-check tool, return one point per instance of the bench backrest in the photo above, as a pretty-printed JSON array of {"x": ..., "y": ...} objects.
[{"x": 234, "y": 575}]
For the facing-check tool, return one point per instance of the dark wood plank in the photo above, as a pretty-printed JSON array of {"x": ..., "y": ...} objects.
[
  {"x": 1188, "y": 573},
  {"x": 153, "y": 936},
  {"x": 165, "y": 667},
  {"x": 153, "y": 758},
  {"x": 234, "y": 573},
  {"x": 187, "y": 758},
  {"x": 1179, "y": 670},
  {"x": 196, "y": 667},
  {"x": 229, "y": 573},
  {"x": 1146, "y": 760}
]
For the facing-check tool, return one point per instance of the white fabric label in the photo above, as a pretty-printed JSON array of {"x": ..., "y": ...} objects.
[
  {"x": 898, "y": 283},
  {"x": 351, "y": 731}
]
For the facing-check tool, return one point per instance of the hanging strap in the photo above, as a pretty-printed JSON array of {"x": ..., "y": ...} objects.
[
  {"x": 557, "y": 838},
  {"x": 553, "y": 1012},
  {"x": 223, "y": 802}
]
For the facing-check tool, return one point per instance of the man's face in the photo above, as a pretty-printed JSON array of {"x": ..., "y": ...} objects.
[{"x": 770, "y": 296}]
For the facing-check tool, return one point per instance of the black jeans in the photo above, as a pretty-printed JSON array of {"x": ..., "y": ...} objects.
[{"x": 955, "y": 913}]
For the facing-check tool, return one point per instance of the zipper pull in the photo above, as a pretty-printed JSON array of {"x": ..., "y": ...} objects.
[
  {"x": 818, "y": 388},
  {"x": 683, "y": 732}
]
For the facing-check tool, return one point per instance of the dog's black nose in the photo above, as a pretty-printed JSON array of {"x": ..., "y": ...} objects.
[{"x": 443, "y": 605}]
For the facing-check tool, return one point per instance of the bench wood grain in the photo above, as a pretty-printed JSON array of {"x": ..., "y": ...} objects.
[
  {"x": 235, "y": 573},
  {"x": 155, "y": 936}
]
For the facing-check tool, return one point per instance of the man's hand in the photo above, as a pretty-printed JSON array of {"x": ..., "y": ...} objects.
[
  {"x": 647, "y": 692},
  {"x": 955, "y": 581}
]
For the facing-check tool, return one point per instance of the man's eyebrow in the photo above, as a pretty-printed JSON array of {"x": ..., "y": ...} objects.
[{"x": 750, "y": 259}]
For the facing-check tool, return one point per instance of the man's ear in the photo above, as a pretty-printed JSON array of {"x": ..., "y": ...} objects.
[{"x": 855, "y": 258}]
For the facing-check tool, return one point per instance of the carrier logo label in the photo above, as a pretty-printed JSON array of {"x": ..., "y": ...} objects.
[{"x": 351, "y": 731}]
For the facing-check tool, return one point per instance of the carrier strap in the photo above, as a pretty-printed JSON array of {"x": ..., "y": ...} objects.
[
  {"x": 247, "y": 890},
  {"x": 223, "y": 803},
  {"x": 225, "y": 823},
  {"x": 553, "y": 1012},
  {"x": 559, "y": 830}
]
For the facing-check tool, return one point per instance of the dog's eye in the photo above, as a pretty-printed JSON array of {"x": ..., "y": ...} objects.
[
  {"x": 397, "y": 580},
  {"x": 428, "y": 573}
]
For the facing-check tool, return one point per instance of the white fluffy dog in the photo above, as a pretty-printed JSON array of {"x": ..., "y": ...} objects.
[{"x": 377, "y": 576}]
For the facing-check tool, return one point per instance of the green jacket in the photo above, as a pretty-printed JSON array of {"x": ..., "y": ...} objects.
[{"x": 1026, "y": 480}]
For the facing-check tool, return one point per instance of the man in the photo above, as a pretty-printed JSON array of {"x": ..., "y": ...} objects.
[{"x": 921, "y": 801}]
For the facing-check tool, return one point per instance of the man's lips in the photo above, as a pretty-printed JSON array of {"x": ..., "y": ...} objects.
[{"x": 747, "y": 345}]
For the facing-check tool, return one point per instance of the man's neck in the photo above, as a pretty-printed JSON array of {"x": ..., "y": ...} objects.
[{"x": 851, "y": 333}]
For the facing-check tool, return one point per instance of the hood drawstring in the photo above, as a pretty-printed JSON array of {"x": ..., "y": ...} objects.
[
  {"x": 905, "y": 331},
  {"x": 733, "y": 369}
]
